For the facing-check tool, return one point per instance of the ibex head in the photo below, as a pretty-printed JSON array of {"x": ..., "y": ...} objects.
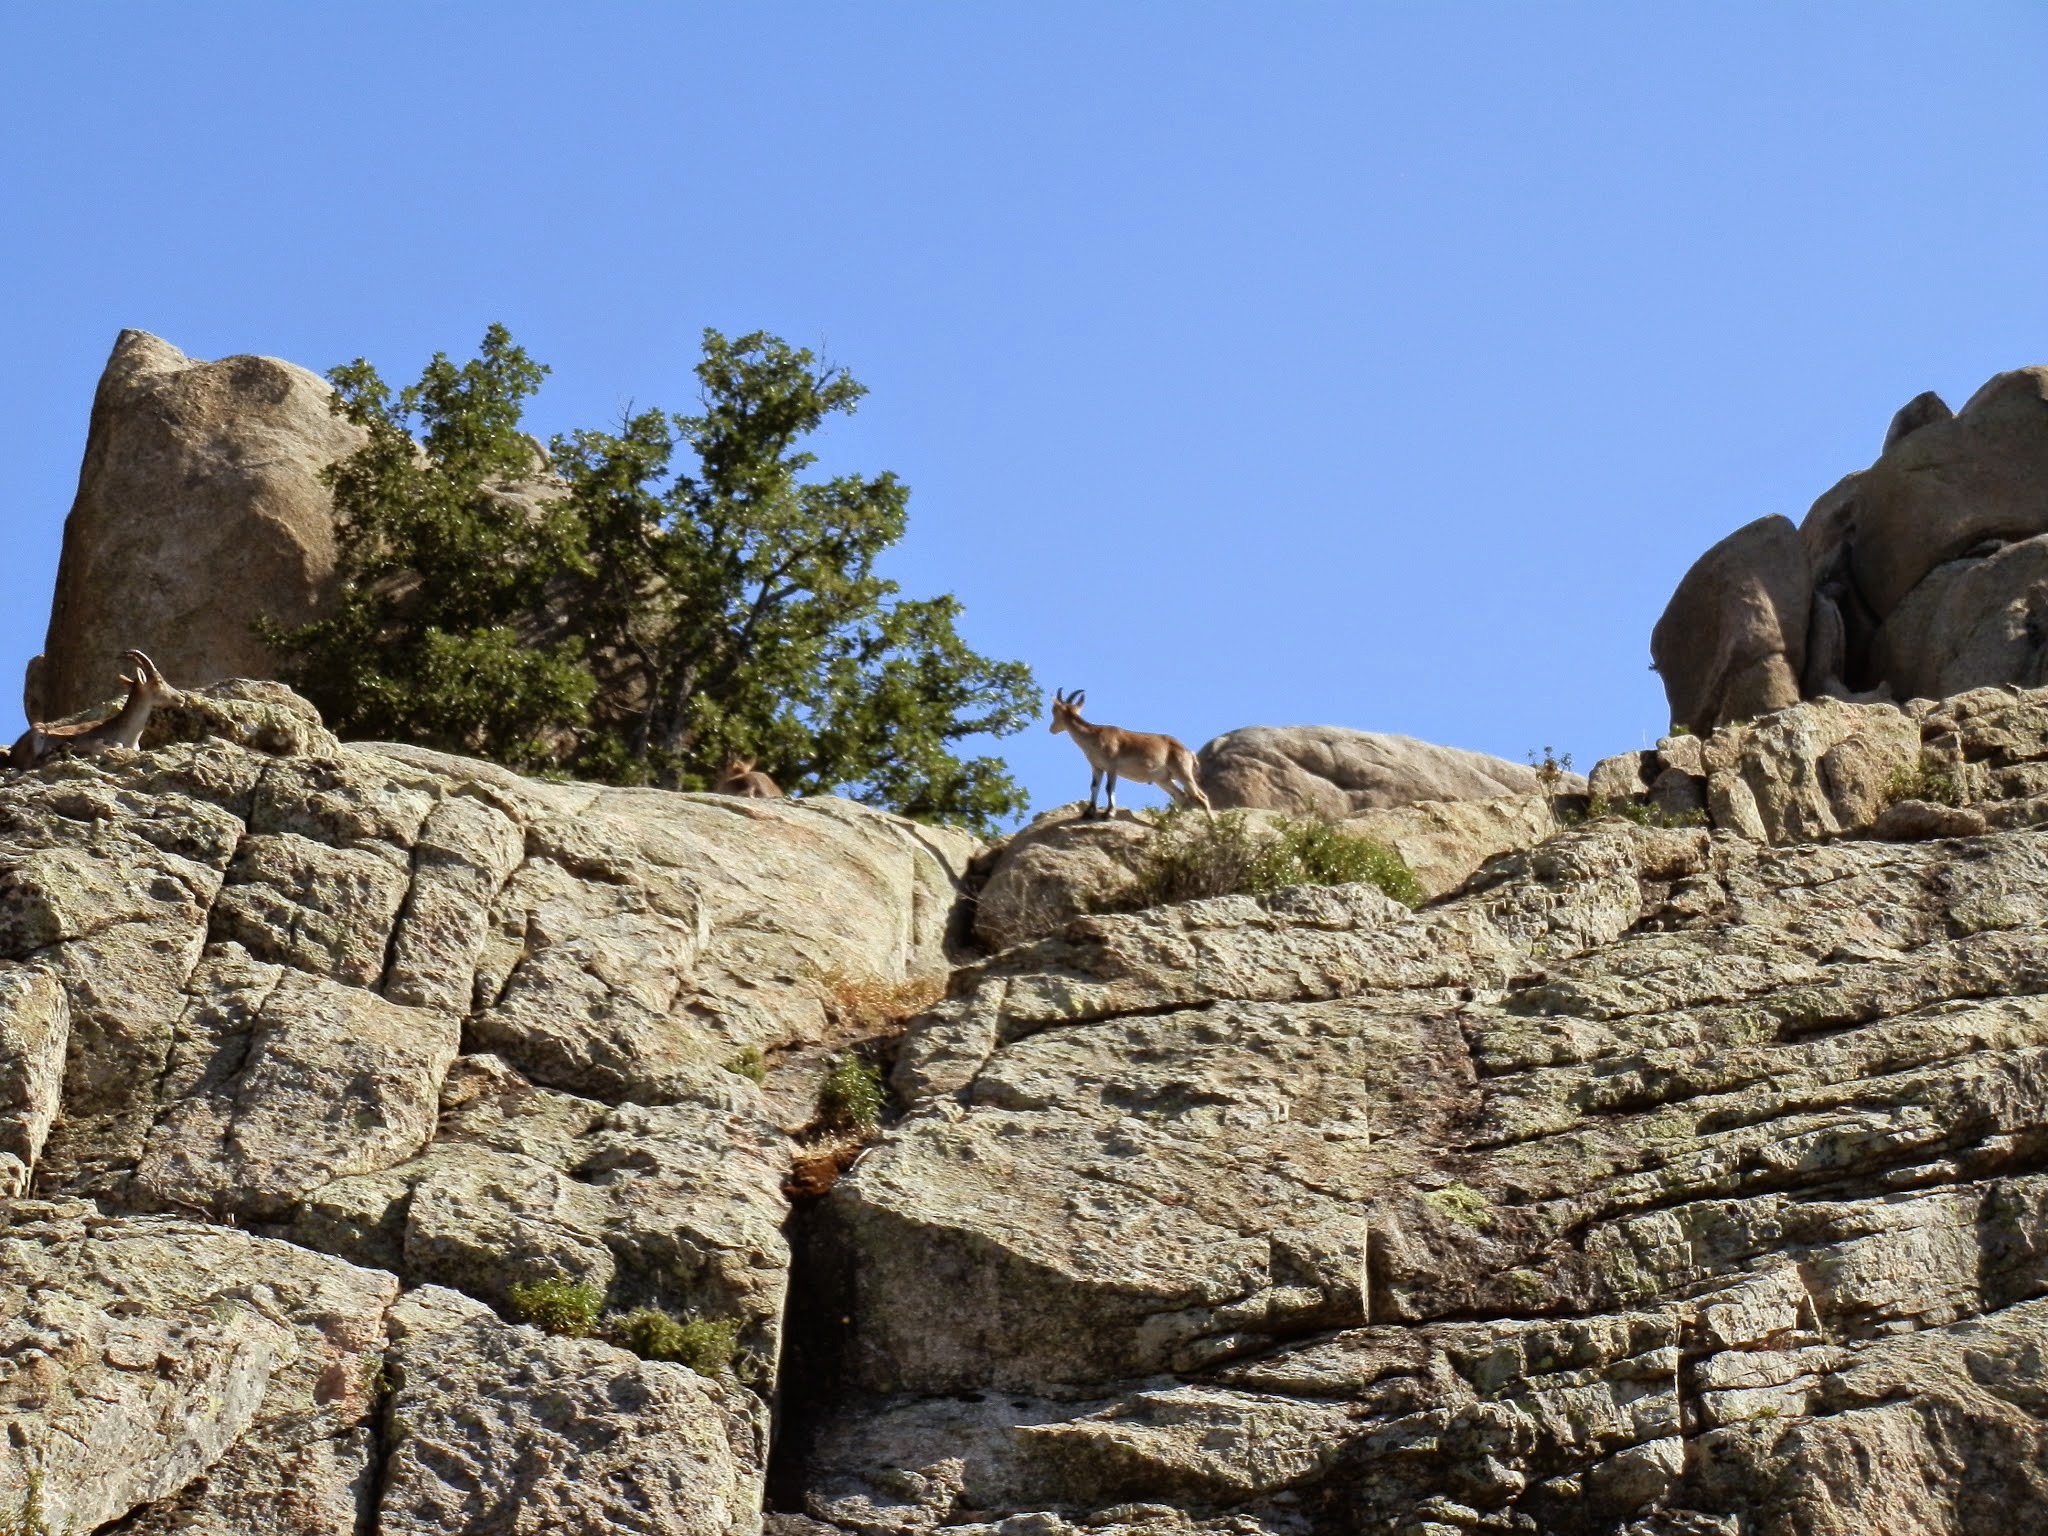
[
  {"x": 737, "y": 767},
  {"x": 148, "y": 681},
  {"x": 1066, "y": 708}
]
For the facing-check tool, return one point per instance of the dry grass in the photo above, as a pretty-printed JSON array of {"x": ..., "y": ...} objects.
[{"x": 862, "y": 1006}]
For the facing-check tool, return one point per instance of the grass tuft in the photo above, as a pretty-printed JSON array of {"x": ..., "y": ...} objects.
[
  {"x": 1917, "y": 781},
  {"x": 749, "y": 1063},
  {"x": 867, "y": 1005},
  {"x": 706, "y": 1345},
  {"x": 852, "y": 1096},
  {"x": 558, "y": 1305}
]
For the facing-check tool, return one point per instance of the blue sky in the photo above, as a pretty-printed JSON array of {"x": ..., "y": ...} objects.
[{"x": 1381, "y": 365}]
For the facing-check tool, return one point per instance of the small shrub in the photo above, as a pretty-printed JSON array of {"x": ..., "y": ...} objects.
[
  {"x": 1550, "y": 769},
  {"x": 1321, "y": 853},
  {"x": 558, "y": 1305},
  {"x": 852, "y": 1095},
  {"x": 1463, "y": 1204},
  {"x": 749, "y": 1064},
  {"x": 1189, "y": 857},
  {"x": 706, "y": 1345},
  {"x": 1917, "y": 781}
]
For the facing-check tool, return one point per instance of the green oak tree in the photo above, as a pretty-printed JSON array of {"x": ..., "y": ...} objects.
[{"x": 675, "y": 592}]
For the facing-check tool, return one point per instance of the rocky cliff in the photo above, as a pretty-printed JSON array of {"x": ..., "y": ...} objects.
[{"x": 1662, "y": 1179}]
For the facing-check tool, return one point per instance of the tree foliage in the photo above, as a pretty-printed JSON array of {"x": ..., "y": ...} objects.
[{"x": 678, "y": 591}]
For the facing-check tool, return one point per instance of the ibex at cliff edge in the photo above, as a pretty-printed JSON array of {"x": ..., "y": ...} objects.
[
  {"x": 1138, "y": 756},
  {"x": 146, "y": 690},
  {"x": 741, "y": 777}
]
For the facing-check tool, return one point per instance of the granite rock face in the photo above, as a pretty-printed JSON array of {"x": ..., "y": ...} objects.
[
  {"x": 285, "y": 1026},
  {"x": 1670, "y": 1178},
  {"x": 1656, "y": 1179}
]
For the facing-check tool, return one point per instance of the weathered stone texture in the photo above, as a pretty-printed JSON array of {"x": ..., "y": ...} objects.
[
  {"x": 1657, "y": 1179},
  {"x": 445, "y": 1025}
]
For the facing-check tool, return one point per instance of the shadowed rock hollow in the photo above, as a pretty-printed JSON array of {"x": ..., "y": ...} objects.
[{"x": 1661, "y": 1179}]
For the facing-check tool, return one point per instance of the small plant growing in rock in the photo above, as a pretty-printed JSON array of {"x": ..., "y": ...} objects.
[
  {"x": 1917, "y": 781},
  {"x": 1641, "y": 813},
  {"x": 1322, "y": 853},
  {"x": 558, "y": 1305},
  {"x": 748, "y": 1063},
  {"x": 852, "y": 1096},
  {"x": 1190, "y": 857},
  {"x": 1463, "y": 1204},
  {"x": 30, "y": 1520},
  {"x": 706, "y": 1345},
  {"x": 1550, "y": 769}
]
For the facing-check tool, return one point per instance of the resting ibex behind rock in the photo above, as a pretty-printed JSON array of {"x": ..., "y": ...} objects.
[
  {"x": 1135, "y": 755},
  {"x": 146, "y": 690},
  {"x": 742, "y": 778}
]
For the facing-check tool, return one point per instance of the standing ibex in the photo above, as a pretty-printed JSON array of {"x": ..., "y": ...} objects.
[
  {"x": 1136, "y": 755},
  {"x": 146, "y": 690},
  {"x": 742, "y": 778}
]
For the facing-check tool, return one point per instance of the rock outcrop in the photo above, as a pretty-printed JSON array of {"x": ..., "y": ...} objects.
[
  {"x": 1061, "y": 867},
  {"x": 1919, "y": 577},
  {"x": 1660, "y": 1179},
  {"x": 1333, "y": 772},
  {"x": 200, "y": 508},
  {"x": 285, "y": 1025},
  {"x": 1732, "y": 643}
]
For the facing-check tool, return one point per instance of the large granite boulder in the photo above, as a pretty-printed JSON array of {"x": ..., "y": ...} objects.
[
  {"x": 1915, "y": 578},
  {"x": 1950, "y": 486},
  {"x": 1731, "y": 644},
  {"x": 1333, "y": 772},
  {"x": 200, "y": 509},
  {"x": 1970, "y": 623}
]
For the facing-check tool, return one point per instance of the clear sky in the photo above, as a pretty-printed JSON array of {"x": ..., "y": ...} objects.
[{"x": 1261, "y": 363}]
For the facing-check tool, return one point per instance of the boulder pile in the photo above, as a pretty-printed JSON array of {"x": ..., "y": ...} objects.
[{"x": 1921, "y": 577}]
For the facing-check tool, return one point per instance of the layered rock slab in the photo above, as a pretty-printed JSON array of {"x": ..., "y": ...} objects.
[{"x": 1665, "y": 1177}]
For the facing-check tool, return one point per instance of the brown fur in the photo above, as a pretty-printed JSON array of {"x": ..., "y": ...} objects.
[
  {"x": 146, "y": 690},
  {"x": 1136, "y": 755},
  {"x": 742, "y": 778}
]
